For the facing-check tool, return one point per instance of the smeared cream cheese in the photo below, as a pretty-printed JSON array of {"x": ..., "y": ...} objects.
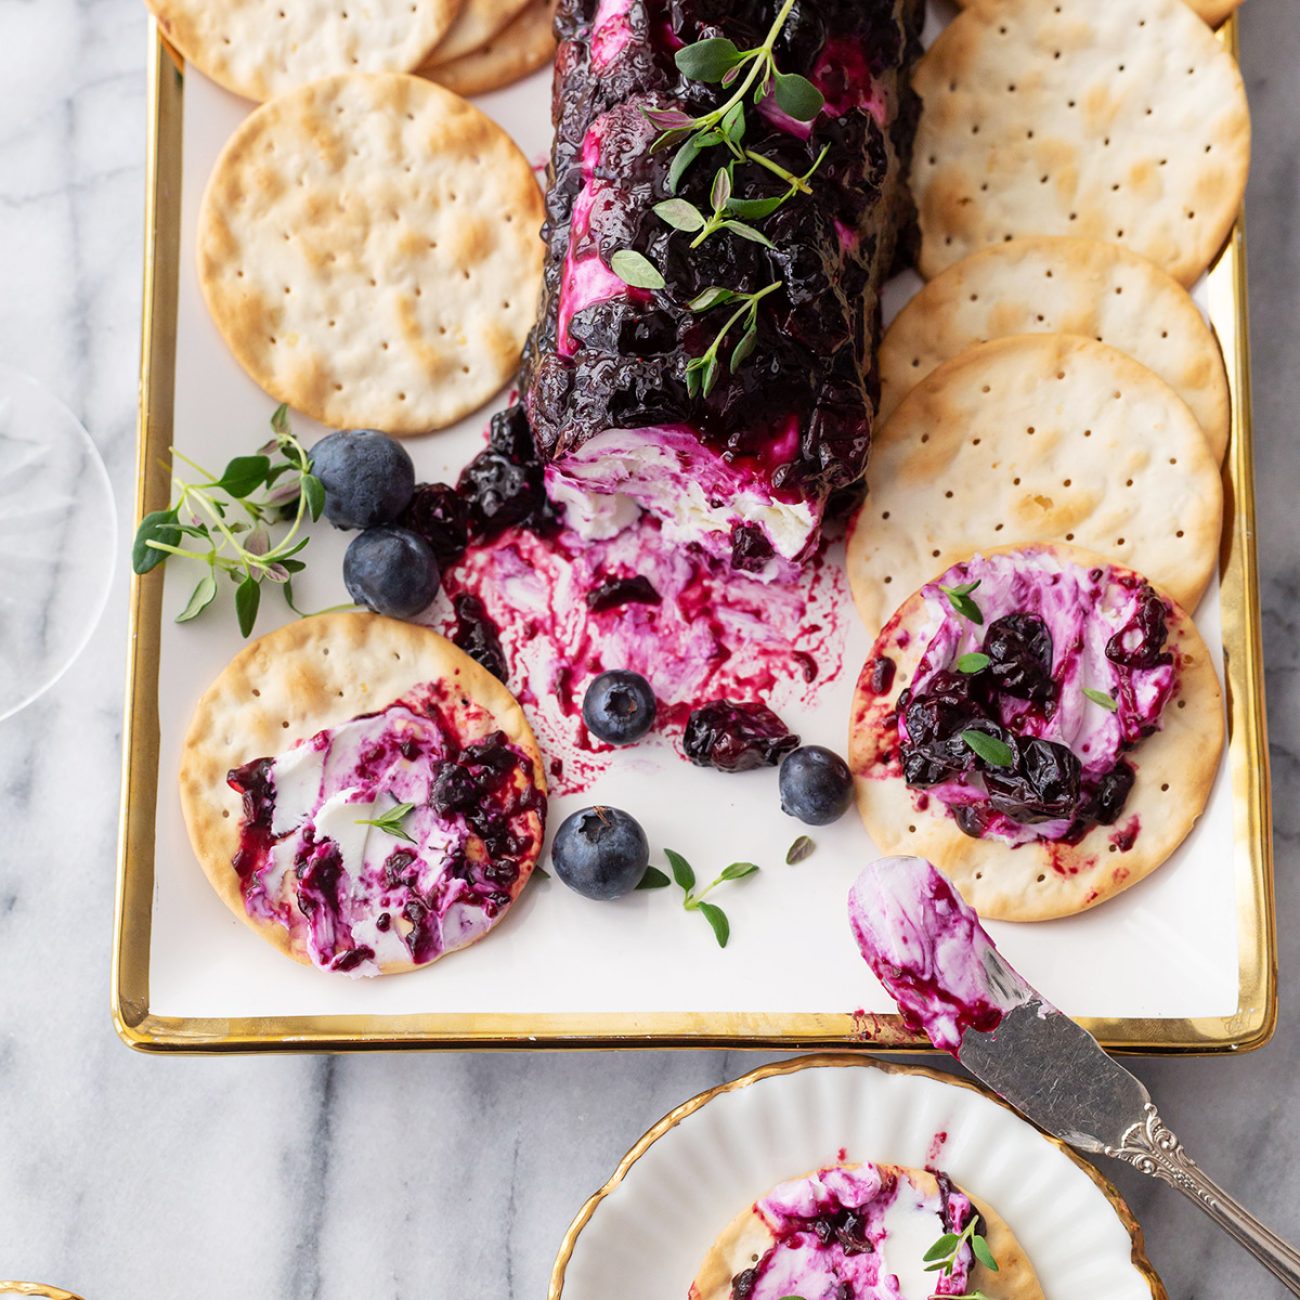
[
  {"x": 864, "y": 1227},
  {"x": 361, "y": 897},
  {"x": 928, "y": 948}
]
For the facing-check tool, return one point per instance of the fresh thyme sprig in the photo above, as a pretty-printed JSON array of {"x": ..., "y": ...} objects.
[
  {"x": 729, "y": 212},
  {"x": 959, "y": 599},
  {"x": 717, "y": 60},
  {"x": 390, "y": 822},
  {"x": 749, "y": 74},
  {"x": 693, "y": 899},
  {"x": 210, "y": 510},
  {"x": 702, "y": 371},
  {"x": 1107, "y": 702},
  {"x": 941, "y": 1258},
  {"x": 989, "y": 748}
]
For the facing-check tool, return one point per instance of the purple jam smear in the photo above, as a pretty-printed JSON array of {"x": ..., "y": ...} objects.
[
  {"x": 735, "y": 737},
  {"x": 367, "y": 899},
  {"x": 928, "y": 948},
  {"x": 614, "y": 593},
  {"x": 563, "y": 606},
  {"x": 837, "y": 1234},
  {"x": 1051, "y": 631}
]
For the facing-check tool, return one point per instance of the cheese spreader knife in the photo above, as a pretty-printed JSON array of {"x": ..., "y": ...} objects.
[{"x": 928, "y": 949}]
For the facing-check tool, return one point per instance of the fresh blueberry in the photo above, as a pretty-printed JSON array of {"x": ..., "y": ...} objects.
[
  {"x": 600, "y": 853},
  {"x": 391, "y": 570},
  {"x": 368, "y": 477},
  {"x": 816, "y": 785},
  {"x": 619, "y": 707}
]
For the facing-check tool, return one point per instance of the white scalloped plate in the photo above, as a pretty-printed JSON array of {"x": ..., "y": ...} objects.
[{"x": 642, "y": 1236}]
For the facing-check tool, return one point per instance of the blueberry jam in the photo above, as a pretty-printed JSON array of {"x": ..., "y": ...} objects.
[
  {"x": 736, "y": 737},
  {"x": 1066, "y": 674},
  {"x": 614, "y": 593},
  {"x": 438, "y": 513},
  {"x": 502, "y": 486},
  {"x": 477, "y": 635},
  {"x": 851, "y": 1232},
  {"x": 357, "y": 897},
  {"x": 793, "y": 424}
]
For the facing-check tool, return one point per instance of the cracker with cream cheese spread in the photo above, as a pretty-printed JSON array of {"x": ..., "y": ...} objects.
[
  {"x": 749, "y": 1236},
  {"x": 1175, "y": 768},
  {"x": 305, "y": 677}
]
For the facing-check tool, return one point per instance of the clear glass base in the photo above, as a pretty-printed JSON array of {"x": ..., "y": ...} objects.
[{"x": 58, "y": 539}]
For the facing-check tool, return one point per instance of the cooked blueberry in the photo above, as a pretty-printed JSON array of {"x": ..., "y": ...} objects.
[
  {"x": 440, "y": 516},
  {"x": 816, "y": 785},
  {"x": 368, "y": 477},
  {"x": 735, "y": 737},
  {"x": 619, "y": 707},
  {"x": 391, "y": 570},
  {"x": 476, "y": 634},
  {"x": 600, "y": 853}
]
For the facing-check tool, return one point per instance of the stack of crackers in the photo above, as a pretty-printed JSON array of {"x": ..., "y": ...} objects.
[
  {"x": 263, "y": 48},
  {"x": 1077, "y": 166},
  {"x": 368, "y": 242}
]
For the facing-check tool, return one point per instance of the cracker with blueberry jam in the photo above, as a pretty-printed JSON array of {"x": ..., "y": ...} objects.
[
  {"x": 362, "y": 793},
  {"x": 862, "y": 1230},
  {"x": 1042, "y": 725}
]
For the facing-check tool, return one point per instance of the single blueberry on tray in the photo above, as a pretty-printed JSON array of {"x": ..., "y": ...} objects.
[
  {"x": 392, "y": 571},
  {"x": 619, "y": 707},
  {"x": 600, "y": 853},
  {"x": 816, "y": 785},
  {"x": 368, "y": 477}
]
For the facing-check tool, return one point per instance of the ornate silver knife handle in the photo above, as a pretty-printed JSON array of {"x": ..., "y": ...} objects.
[{"x": 1149, "y": 1146}]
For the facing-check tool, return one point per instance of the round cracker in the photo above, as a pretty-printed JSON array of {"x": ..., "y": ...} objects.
[
  {"x": 1124, "y": 121},
  {"x": 747, "y": 1238},
  {"x": 368, "y": 247},
  {"x": 262, "y": 48},
  {"x": 298, "y": 680},
  {"x": 1213, "y": 11},
  {"x": 1042, "y": 880},
  {"x": 477, "y": 23},
  {"x": 1048, "y": 285},
  {"x": 526, "y": 44},
  {"x": 1037, "y": 438}
]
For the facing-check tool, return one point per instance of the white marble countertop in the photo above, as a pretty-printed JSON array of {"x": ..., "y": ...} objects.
[{"x": 124, "y": 1176}]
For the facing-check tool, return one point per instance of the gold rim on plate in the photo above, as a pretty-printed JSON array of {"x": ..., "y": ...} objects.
[
  {"x": 837, "y": 1060},
  {"x": 37, "y": 1289}
]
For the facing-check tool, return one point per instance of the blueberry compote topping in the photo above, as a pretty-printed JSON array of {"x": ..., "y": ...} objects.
[
  {"x": 1068, "y": 672},
  {"x": 357, "y": 896},
  {"x": 857, "y": 1232},
  {"x": 502, "y": 485},
  {"x": 476, "y": 634},
  {"x": 737, "y": 737},
  {"x": 796, "y": 418}
]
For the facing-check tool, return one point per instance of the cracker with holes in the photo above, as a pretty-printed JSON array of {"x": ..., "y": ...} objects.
[
  {"x": 1037, "y": 438},
  {"x": 477, "y": 23},
  {"x": 261, "y": 48},
  {"x": 368, "y": 247},
  {"x": 525, "y": 44},
  {"x": 1042, "y": 725},
  {"x": 1124, "y": 122},
  {"x": 1049, "y": 285},
  {"x": 1213, "y": 11},
  {"x": 884, "y": 1217},
  {"x": 362, "y": 793}
]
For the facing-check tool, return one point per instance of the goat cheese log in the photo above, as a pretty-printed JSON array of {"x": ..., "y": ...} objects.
[{"x": 746, "y": 469}]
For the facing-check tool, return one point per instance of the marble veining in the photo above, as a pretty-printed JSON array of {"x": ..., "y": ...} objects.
[{"x": 123, "y": 1176}]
